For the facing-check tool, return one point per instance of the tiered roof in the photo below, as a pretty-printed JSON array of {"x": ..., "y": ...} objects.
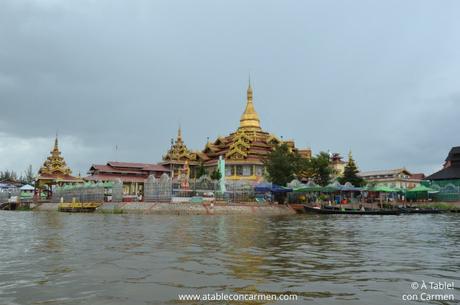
[
  {"x": 179, "y": 153},
  {"x": 451, "y": 168},
  {"x": 55, "y": 166},
  {"x": 248, "y": 144}
]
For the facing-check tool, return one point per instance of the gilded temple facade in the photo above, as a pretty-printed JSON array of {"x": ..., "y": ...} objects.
[
  {"x": 55, "y": 171},
  {"x": 244, "y": 150},
  {"x": 179, "y": 158}
]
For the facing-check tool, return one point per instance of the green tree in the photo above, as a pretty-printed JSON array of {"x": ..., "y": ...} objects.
[
  {"x": 29, "y": 175},
  {"x": 283, "y": 165},
  {"x": 201, "y": 170},
  {"x": 350, "y": 173},
  {"x": 319, "y": 169},
  {"x": 8, "y": 175},
  {"x": 216, "y": 175}
]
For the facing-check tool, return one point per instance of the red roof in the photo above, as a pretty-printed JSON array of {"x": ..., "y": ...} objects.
[
  {"x": 141, "y": 166},
  {"x": 123, "y": 178},
  {"x": 58, "y": 176},
  {"x": 418, "y": 176}
]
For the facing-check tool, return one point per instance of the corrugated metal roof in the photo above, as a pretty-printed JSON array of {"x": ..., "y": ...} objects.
[{"x": 384, "y": 172}]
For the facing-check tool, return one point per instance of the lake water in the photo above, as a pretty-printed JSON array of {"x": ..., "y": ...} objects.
[{"x": 57, "y": 258}]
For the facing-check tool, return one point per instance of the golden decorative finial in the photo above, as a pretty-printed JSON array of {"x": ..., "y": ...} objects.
[
  {"x": 250, "y": 118},
  {"x": 56, "y": 146},
  {"x": 179, "y": 134}
]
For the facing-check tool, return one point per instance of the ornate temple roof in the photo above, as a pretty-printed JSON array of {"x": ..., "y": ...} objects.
[
  {"x": 249, "y": 144},
  {"x": 179, "y": 153},
  {"x": 55, "y": 163}
]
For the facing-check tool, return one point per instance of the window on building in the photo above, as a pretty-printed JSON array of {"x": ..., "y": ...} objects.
[
  {"x": 259, "y": 170},
  {"x": 228, "y": 170},
  {"x": 247, "y": 170},
  {"x": 239, "y": 170}
]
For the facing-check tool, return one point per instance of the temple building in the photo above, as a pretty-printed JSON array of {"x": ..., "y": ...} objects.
[
  {"x": 132, "y": 175},
  {"x": 447, "y": 180},
  {"x": 179, "y": 157},
  {"x": 450, "y": 172},
  {"x": 55, "y": 171},
  {"x": 244, "y": 150}
]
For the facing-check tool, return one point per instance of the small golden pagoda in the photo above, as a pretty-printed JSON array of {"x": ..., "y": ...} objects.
[
  {"x": 245, "y": 149},
  {"x": 55, "y": 171},
  {"x": 179, "y": 156}
]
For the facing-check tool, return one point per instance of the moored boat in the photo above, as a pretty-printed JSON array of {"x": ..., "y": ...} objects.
[
  {"x": 78, "y": 207},
  {"x": 415, "y": 210},
  {"x": 319, "y": 210}
]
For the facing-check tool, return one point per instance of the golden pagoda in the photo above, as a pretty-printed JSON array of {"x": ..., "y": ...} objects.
[
  {"x": 179, "y": 156},
  {"x": 245, "y": 149},
  {"x": 55, "y": 170}
]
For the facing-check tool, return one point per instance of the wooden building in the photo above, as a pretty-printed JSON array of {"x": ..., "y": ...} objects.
[
  {"x": 132, "y": 175},
  {"x": 395, "y": 178}
]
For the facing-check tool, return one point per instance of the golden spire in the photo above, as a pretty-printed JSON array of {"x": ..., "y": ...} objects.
[
  {"x": 249, "y": 118},
  {"x": 179, "y": 134},
  {"x": 56, "y": 146}
]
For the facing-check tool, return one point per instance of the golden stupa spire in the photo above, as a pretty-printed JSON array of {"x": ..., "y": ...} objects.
[
  {"x": 179, "y": 134},
  {"x": 56, "y": 145},
  {"x": 249, "y": 118}
]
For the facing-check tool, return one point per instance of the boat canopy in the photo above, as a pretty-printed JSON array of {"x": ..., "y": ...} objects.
[{"x": 271, "y": 187}]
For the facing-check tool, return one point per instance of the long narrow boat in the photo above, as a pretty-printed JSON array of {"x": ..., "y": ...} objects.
[
  {"x": 350, "y": 212},
  {"x": 419, "y": 210}
]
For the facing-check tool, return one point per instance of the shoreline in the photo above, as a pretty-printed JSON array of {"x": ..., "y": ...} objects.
[{"x": 165, "y": 208}]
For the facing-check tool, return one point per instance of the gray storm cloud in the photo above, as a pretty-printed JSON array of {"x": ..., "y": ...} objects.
[{"x": 378, "y": 77}]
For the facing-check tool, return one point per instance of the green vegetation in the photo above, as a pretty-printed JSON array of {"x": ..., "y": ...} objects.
[
  {"x": 201, "y": 170},
  {"x": 443, "y": 206},
  {"x": 319, "y": 168},
  {"x": 27, "y": 178},
  {"x": 351, "y": 174},
  {"x": 283, "y": 165},
  {"x": 216, "y": 174}
]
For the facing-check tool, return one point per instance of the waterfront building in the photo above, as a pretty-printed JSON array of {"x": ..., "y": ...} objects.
[
  {"x": 55, "y": 171},
  {"x": 447, "y": 180},
  {"x": 396, "y": 178},
  {"x": 132, "y": 175},
  {"x": 245, "y": 150}
]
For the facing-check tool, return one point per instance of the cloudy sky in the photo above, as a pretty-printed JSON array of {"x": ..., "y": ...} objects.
[{"x": 381, "y": 78}]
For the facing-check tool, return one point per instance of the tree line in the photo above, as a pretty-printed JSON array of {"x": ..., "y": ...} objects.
[
  {"x": 284, "y": 165},
  {"x": 27, "y": 177}
]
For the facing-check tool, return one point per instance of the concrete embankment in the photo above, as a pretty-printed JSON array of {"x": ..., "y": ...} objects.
[{"x": 183, "y": 208}]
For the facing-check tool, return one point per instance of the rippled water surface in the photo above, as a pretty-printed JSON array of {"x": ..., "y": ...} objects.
[{"x": 57, "y": 258}]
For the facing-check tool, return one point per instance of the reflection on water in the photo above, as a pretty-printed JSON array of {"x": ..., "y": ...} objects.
[{"x": 56, "y": 258}]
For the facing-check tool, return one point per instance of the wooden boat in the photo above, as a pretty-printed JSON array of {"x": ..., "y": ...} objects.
[
  {"x": 419, "y": 210},
  {"x": 78, "y": 207},
  {"x": 318, "y": 210},
  {"x": 297, "y": 207}
]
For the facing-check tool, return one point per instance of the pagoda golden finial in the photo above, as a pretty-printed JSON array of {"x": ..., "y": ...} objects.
[
  {"x": 250, "y": 118},
  {"x": 179, "y": 134},
  {"x": 56, "y": 146}
]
